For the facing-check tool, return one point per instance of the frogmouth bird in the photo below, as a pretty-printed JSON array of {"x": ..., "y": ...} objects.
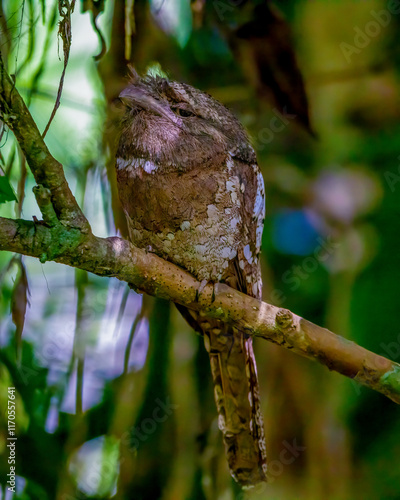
[{"x": 192, "y": 193}]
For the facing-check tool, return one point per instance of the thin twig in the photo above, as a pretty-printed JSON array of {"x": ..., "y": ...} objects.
[{"x": 65, "y": 9}]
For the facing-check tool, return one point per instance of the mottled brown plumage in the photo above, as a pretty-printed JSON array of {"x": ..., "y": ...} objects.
[{"x": 192, "y": 193}]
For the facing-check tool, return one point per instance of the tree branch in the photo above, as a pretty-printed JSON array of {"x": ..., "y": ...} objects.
[
  {"x": 65, "y": 236},
  {"x": 155, "y": 276},
  {"x": 45, "y": 168}
]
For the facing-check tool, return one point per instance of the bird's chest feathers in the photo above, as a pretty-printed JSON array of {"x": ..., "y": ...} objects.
[{"x": 191, "y": 218}]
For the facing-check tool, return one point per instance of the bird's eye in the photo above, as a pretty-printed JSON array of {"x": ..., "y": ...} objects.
[{"x": 182, "y": 112}]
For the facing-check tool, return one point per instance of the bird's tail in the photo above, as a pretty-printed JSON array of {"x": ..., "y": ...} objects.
[{"x": 236, "y": 392}]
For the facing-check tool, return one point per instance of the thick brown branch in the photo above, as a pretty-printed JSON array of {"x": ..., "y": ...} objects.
[
  {"x": 117, "y": 257},
  {"x": 46, "y": 169}
]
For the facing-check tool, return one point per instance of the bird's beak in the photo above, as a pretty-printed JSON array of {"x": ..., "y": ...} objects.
[{"x": 138, "y": 97}]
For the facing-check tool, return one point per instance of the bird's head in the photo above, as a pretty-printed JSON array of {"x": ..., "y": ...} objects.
[{"x": 174, "y": 124}]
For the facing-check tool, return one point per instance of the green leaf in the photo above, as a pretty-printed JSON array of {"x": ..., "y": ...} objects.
[{"x": 6, "y": 190}]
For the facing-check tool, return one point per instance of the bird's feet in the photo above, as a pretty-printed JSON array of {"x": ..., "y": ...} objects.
[{"x": 201, "y": 288}]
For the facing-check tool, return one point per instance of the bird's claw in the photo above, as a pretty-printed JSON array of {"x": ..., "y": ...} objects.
[{"x": 201, "y": 288}]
